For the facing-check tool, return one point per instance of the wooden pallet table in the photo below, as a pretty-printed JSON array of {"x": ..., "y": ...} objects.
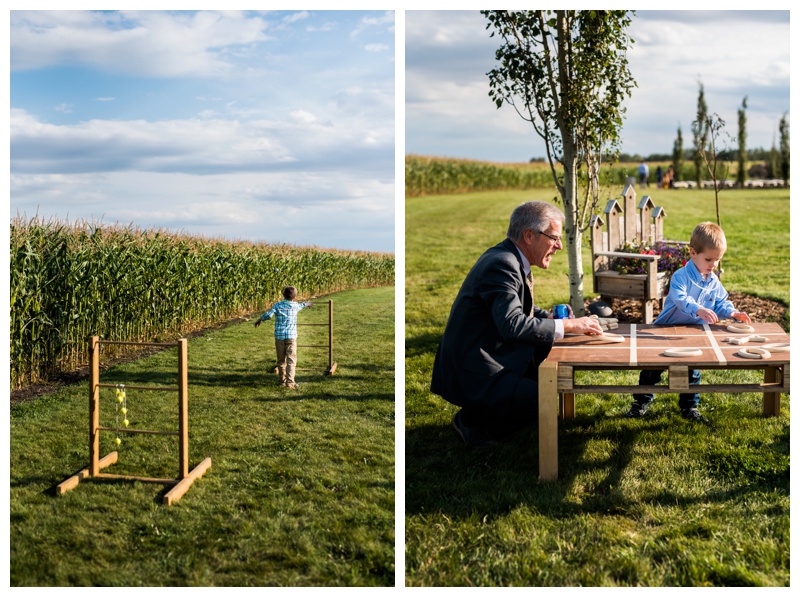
[{"x": 647, "y": 347}]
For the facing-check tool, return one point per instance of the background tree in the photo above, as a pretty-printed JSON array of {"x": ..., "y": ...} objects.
[
  {"x": 677, "y": 156},
  {"x": 700, "y": 133},
  {"x": 710, "y": 157},
  {"x": 772, "y": 162},
  {"x": 783, "y": 130},
  {"x": 742, "y": 172},
  {"x": 566, "y": 73}
]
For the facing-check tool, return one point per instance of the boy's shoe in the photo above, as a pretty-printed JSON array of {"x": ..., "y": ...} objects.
[
  {"x": 692, "y": 414},
  {"x": 293, "y": 386},
  {"x": 473, "y": 437},
  {"x": 637, "y": 411}
]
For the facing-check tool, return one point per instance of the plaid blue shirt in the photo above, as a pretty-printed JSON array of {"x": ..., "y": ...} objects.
[
  {"x": 285, "y": 314},
  {"x": 688, "y": 292}
]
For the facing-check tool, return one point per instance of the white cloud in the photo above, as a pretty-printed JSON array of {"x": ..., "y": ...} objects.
[
  {"x": 330, "y": 209},
  {"x": 193, "y": 145},
  {"x": 206, "y": 124},
  {"x": 302, "y": 116},
  {"x": 386, "y": 20},
  {"x": 329, "y": 26},
  {"x": 146, "y": 43},
  {"x": 733, "y": 53},
  {"x": 297, "y": 16}
]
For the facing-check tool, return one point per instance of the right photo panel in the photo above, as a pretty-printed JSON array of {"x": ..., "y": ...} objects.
[{"x": 597, "y": 298}]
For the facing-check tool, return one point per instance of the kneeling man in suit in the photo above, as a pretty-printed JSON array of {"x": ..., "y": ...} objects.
[{"x": 496, "y": 337}]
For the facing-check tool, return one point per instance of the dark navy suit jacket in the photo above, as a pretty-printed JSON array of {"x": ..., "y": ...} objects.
[{"x": 489, "y": 342}]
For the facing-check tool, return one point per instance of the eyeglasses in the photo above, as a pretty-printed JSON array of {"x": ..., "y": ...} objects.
[{"x": 556, "y": 239}]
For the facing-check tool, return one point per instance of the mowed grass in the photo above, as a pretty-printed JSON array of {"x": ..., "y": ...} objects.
[
  {"x": 654, "y": 502},
  {"x": 300, "y": 491}
]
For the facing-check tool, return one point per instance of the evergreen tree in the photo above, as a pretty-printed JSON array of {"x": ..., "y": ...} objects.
[
  {"x": 742, "y": 172},
  {"x": 783, "y": 130},
  {"x": 772, "y": 162},
  {"x": 700, "y": 132},
  {"x": 677, "y": 156}
]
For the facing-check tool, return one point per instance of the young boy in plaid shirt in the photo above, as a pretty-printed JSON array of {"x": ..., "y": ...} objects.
[{"x": 285, "y": 313}]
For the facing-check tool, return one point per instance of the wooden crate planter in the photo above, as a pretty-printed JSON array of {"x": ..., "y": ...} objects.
[{"x": 626, "y": 222}]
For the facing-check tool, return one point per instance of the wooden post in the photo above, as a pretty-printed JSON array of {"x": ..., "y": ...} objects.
[
  {"x": 330, "y": 335},
  {"x": 599, "y": 244},
  {"x": 679, "y": 378},
  {"x": 566, "y": 382},
  {"x": 658, "y": 216},
  {"x": 94, "y": 405},
  {"x": 645, "y": 225},
  {"x": 548, "y": 421},
  {"x": 331, "y": 365},
  {"x": 174, "y": 494},
  {"x": 615, "y": 233},
  {"x": 629, "y": 213},
  {"x": 772, "y": 400},
  {"x": 183, "y": 407}
]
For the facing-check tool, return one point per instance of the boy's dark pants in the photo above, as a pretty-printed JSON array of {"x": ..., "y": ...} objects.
[{"x": 651, "y": 377}]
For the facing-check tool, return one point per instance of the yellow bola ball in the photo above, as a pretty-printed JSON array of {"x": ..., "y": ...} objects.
[
  {"x": 118, "y": 441},
  {"x": 119, "y": 397},
  {"x": 125, "y": 422},
  {"x": 123, "y": 410}
]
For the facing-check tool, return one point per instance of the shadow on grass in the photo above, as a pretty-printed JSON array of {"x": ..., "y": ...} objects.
[
  {"x": 423, "y": 344},
  {"x": 444, "y": 477}
]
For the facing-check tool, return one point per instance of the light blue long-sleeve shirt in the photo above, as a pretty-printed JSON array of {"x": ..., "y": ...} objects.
[
  {"x": 688, "y": 292},
  {"x": 285, "y": 313}
]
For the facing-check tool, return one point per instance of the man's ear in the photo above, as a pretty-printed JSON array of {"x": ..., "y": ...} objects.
[{"x": 528, "y": 235}]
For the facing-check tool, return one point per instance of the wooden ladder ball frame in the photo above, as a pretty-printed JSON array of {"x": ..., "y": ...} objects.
[
  {"x": 185, "y": 477},
  {"x": 331, "y": 365}
]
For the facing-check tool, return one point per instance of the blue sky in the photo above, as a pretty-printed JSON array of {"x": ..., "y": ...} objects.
[
  {"x": 254, "y": 125},
  {"x": 733, "y": 53}
]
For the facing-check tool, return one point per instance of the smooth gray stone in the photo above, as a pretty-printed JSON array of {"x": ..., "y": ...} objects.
[{"x": 600, "y": 309}]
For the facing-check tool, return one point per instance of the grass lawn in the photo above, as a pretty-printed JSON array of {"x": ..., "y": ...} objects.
[
  {"x": 301, "y": 487},
  {"x": 653, "y": 502}
]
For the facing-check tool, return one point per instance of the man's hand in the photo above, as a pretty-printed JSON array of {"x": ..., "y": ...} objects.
[
  {"x": 589, "y": 326},
  {"x": 741, "y": 316},
  {"x": 707, "y": 315}
]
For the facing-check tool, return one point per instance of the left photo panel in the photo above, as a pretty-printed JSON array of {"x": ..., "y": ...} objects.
[{"x": 202, "y": 276}]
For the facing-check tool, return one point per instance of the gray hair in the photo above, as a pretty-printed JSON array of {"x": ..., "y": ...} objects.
[{"x": 533, "y": 215}]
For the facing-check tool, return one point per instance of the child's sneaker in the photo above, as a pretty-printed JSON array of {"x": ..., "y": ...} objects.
[
  {"x": 637, "y": 411},
  {"x": 693, "y": 415}
]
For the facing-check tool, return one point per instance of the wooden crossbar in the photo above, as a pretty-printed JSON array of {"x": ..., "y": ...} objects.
[
  {"x": 128, "y": 343},
  {"x": 129, "y": 430},
  {"x": 146, "y": 388}
]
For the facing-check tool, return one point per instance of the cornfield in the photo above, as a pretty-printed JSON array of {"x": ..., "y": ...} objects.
[
  {"x": 439, "y": 176},
  {"x": 72, "y": 281}
]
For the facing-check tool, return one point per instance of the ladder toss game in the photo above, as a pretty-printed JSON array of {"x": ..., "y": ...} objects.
[{"x": 186, "y": 477}]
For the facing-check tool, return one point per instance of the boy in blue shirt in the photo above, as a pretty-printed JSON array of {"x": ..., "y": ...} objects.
[
  {"x": 285, "y": 313},
  {"x": 695, "y": 296}
]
